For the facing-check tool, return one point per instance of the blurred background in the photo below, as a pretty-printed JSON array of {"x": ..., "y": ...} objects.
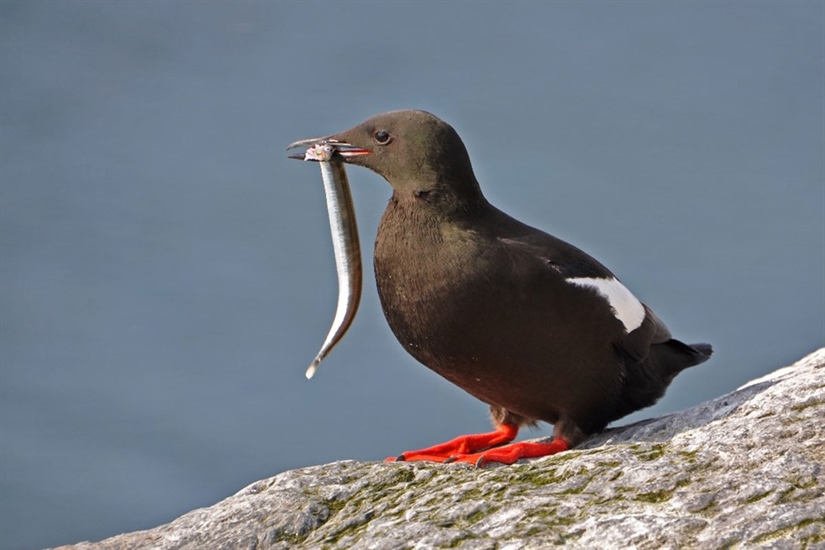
[{"x": 167, "y": 273}]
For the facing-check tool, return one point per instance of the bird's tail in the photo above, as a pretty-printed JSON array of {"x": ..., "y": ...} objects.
[
  {"x": 673, "y": 356},
  {"x": 647, "y": 381}
]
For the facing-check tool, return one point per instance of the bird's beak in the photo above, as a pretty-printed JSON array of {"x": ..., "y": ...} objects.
[{"x": 343, "y": 150}]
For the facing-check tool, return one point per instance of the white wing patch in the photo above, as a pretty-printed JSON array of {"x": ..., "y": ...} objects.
[{"x": 626, "y": 307}]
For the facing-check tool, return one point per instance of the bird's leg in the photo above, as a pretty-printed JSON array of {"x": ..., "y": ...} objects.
[{"x": 465, "y": 445}]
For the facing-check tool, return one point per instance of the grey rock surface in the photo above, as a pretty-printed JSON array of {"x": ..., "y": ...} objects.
[{"x": 744, "y": 470}]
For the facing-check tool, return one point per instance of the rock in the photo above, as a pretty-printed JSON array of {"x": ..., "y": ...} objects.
[{"x": 743, "y": 470}]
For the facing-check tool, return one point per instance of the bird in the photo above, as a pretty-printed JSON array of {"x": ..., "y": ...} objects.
[{"x": 523, "y": 321}]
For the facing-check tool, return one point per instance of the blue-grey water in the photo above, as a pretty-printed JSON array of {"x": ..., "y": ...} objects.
[{"x": 167, "y": 273}]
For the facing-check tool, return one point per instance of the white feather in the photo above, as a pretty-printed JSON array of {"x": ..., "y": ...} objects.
[{"x": 626, "y": 307}]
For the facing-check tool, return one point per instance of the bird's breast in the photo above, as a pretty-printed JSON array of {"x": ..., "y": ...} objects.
[{"x": 429, "y": 276}]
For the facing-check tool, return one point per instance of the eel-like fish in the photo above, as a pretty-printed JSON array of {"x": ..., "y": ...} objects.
[{"x": 345, "y": 242}]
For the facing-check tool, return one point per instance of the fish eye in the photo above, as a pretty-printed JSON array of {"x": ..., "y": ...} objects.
[{"x": 382, "y": 137}]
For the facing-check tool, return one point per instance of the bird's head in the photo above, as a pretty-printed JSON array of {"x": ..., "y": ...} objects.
[{"x": 415, "y": 151}]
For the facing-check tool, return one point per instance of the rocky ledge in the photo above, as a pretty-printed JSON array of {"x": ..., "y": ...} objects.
[{"x": 744, "y": 470}]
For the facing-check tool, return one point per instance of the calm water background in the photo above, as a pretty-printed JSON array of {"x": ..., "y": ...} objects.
[{"x": 167, "y": 273}]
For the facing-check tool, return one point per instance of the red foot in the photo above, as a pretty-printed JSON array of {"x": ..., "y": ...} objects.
[
  {"x": 482, "y": 448},
  {"x": 510, "y": 453},
  {"x": 462, "y": 445}
]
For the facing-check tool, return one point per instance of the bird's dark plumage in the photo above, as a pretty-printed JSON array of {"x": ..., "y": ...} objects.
[{"x": 525, "y": 322}]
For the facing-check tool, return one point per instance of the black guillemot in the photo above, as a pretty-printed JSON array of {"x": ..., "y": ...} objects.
[{"x": 525, "y": 322}]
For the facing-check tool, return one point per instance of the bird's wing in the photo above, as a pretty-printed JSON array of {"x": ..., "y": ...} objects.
[
  {"x": 577, "y": 267},
  {"x": 569, "y": 261}
]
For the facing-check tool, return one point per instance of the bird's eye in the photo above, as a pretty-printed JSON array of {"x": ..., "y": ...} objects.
[{"x": 382, "y": 137}]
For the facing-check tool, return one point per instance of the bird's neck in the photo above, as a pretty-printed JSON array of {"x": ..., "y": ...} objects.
[{"x": 435, "y": 200}]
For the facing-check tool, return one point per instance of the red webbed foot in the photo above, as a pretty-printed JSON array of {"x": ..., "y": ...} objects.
[
  {"x": 480, "y": 449},
  {"x": 508, "y": 454},
  {"x": 461, "y": 446}
]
